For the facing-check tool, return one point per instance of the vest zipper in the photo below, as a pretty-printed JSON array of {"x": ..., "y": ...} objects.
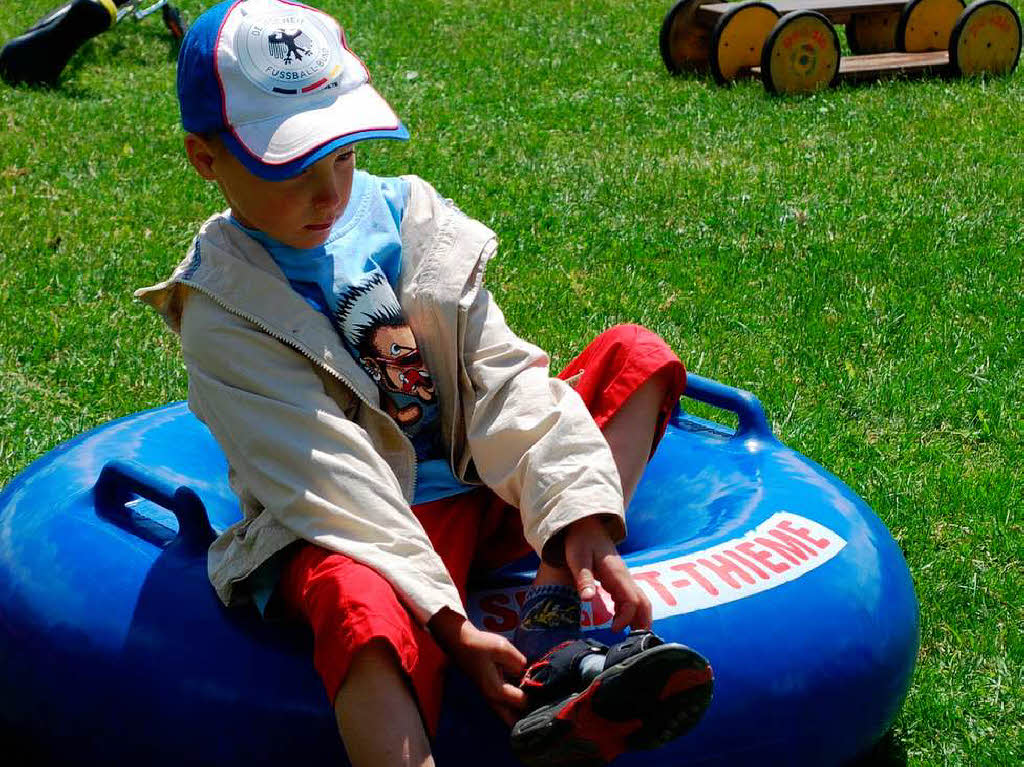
[{"x": 312, "y": 358}]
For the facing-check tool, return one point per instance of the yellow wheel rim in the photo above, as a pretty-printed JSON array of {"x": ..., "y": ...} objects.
[
  {"x": 738, "y": 38},
  {"x": 873, "y": 32},
  {"x": 685, "y": 44},
  {"x": 986, "y": 39},
  {"x": 111, "y": 9},
  {"x": 802, "y": 54},
  {"x": 925, "y": 25}
]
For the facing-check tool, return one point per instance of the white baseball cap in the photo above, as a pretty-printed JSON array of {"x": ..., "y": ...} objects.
[{"x": 278, "y": 82}]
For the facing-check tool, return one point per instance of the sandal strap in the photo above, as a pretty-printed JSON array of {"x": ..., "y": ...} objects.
[
  {"x": 634, "y": 644},
  {"x": 557, "y": 673}
]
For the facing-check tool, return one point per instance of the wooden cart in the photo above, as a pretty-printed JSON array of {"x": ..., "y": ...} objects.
[{"x": 794, "y": 47}]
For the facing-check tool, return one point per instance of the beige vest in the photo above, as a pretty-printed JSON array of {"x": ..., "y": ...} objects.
[{"x": 313, "y": 456}]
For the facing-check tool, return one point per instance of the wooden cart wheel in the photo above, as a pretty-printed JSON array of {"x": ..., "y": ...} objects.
[
  {"x": 737, "y": 38},
  {"x": 986, "y": 38},
  {"x": 685, "y": 44},
  {"x": 801, "y": 54},
  {"x": 925, "y": 25},
  {"x": 872, "y": 32}
]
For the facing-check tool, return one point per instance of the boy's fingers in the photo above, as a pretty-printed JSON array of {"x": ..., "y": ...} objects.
[
  {"x": 503, "y": 693},
  {"x": 507, "y": 702},
  {"x": 513, "y": 696},
  {"x": 505, "y": 715},
  {"x": 510, "y": 659},
  {"x": 582, "y": 569},
  {"x": 644, "y": 613},
  {"x": 585, "y": 584},
  {"x": 631, "y": 606},
  {"x": 624, "y": 613},
  {"x": 625, "y": 603},
  {"x": 508, "y": 714}
]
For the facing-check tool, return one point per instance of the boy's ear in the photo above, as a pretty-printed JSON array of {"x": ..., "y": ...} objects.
[{"x": 202, "y": 154}]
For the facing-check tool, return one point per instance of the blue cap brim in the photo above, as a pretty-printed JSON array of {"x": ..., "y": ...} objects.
[{"x": 295, "y": 167}]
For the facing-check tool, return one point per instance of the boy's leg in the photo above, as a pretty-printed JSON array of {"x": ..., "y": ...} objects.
[
  {"x": 377, "y": 714},
  {"x": 368, "y": 652},
  {"x": 630, "y": 380},
  {"x": 633, "y": 430}
]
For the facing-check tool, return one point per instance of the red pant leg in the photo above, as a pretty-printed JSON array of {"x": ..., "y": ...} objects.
[
  {"x": 605, "y": 374},
  {"x": 348, "y": 604},
  {"x": 617, "y": 363}
]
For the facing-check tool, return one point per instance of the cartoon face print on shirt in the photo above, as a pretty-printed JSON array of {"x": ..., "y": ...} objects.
[
  {"x": 371, "y": 322},
  {"x": 390, "y": 355}
]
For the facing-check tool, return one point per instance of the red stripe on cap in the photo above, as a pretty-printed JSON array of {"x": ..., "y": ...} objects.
[{"x": 314, "y": 86}]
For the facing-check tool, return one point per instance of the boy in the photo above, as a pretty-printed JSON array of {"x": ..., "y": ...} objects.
[{"x": 384, "y": 428}]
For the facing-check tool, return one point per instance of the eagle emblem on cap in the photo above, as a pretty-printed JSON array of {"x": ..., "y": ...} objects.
[
  {"x": 289, "y": 53},
  {"x": 285, "y": 44}
]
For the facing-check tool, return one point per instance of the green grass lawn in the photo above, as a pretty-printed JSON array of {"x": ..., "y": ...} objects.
[{"x": 855, "y": 258}]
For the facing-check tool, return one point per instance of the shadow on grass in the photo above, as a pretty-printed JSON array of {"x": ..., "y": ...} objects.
[
  {"x": 126, "y": 46},
  {"x": 888, "y": 752}
]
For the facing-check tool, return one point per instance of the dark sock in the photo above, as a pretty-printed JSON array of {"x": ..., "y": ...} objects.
[{"x": 550, "y": 616}]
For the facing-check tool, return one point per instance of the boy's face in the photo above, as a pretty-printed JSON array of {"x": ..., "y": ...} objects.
[{"x": 298, "y": 211}]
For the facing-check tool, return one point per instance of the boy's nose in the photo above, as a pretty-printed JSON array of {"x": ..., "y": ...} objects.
[
  {"x": 328, "y": 185},
  {"x": 328, "y": 191}
]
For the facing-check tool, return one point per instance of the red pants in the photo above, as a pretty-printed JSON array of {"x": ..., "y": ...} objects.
[{"x": 348, "y": 604}]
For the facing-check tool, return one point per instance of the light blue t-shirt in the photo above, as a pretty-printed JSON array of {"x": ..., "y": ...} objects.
[{"x": 351, "y": 278}]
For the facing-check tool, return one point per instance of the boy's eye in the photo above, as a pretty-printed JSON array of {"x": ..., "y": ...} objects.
[{"x": 346, "y": 156}]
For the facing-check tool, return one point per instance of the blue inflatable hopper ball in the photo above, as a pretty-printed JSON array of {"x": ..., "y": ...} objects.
[{"x": 115, "y": 649}]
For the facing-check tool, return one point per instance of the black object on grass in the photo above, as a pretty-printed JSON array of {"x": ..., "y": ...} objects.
[{"x": 38, "y": 56}]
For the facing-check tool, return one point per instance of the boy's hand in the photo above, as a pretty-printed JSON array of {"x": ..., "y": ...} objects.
[
  {"x": 590, "y": 553},
  {"x": 486, "y": 658}
]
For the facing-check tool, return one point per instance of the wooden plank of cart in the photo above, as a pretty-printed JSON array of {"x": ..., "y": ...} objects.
[{"x": 793, "y": 46}]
